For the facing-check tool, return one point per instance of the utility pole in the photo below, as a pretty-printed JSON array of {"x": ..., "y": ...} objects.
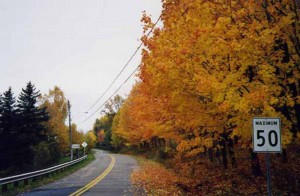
[{"x": 70, "y": 129}]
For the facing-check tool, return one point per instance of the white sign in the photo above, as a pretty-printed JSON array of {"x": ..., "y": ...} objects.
[
  {"x": 266, "y": 134},
  {"x": 75, "y": 146},
  {"x": 84, "y": 144}
]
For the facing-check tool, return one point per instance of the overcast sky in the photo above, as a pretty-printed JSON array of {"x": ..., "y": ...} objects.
[{"x": 78, "y": 45}]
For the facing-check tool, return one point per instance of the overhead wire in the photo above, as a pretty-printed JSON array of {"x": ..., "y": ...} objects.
[
  {"x": 135, "y": 52},
  {"x": 111, "y": 95},
  {"x": 127, "y": 63}
]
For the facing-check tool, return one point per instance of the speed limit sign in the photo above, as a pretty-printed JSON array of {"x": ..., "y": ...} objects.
[{"x": 266, "y": 134}]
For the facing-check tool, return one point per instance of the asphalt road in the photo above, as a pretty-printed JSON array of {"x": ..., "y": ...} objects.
[{"x": 108, "y": 175}]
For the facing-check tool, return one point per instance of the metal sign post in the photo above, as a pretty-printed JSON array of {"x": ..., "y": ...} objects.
[
  {"x": 84, "y": 144},
  {"x": 70, "y": 130},
  {"x": 76, "y": 146},
  {"x": 266, "y": 139},
  {"x": 268, "y": 174}
]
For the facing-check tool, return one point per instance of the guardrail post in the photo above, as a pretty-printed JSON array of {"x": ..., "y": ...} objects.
[
  {"x": 34, "y": 179},
  {"x": 16, "y": 184},
  {"x": 26, "y": 182},
  {"x": 4, "y": 188}
]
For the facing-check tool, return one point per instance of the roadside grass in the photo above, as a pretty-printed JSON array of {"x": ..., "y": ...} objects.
[
  {"x": 64, "y": 159},
  {"x": 47, "y": 179}
]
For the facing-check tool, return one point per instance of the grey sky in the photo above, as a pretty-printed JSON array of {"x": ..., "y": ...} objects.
[{"x": 78, "y": 45}]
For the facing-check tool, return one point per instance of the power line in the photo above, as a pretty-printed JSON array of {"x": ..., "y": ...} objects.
[
  {"x": 185, "y": 11},
  {"x": 78, "y": 115},
  {"x": 127, "y": 63},
  {"x": 130, "y": 59},
  {"x": 110, "y": 96}
]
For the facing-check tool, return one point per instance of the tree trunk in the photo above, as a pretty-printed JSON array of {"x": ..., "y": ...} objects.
[
  {"x": 210, "y": 155},
  {"x": 218, "y": 156},
  {"x": 256, "y": 171},
  {"x": 284, "y": 156},
  {"x": 231, "y": 153},
  {"x": 224, "y": 154}
]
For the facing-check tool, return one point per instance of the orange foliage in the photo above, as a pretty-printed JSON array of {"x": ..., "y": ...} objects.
[
  {"x": 211, "y": 68},
  {"x": 100, "y": 135}
]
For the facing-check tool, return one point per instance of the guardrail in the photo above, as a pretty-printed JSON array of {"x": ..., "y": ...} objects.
[{"x": 16, "y": 179}]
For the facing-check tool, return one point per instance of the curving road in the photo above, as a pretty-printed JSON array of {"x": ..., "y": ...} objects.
[{"x": 108, "y": 175}]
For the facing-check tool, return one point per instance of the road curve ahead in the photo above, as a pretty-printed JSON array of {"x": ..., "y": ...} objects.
[{"x": 108, "y": 175}]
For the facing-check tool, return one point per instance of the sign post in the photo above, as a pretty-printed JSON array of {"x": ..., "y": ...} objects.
[
  {"x": 76, "y": 146},
  {"x": 84, "y": 144},
  {"x": 266, "y": 139},
  {"x": 70, "y": 130}
]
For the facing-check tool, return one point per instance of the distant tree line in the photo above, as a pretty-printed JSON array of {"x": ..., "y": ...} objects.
[
  {"x": 103, "y": 126},
  {"x": 33, "y": 133},
  {"x": 22, "y": 129}
]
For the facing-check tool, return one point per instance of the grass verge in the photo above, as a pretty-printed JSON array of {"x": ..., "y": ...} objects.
[{"x": 45, "y": 180}]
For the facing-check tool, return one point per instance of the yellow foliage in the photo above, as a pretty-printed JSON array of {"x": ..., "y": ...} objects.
[
  {"x": 56, "y": 105},
  {"x": 212, "y": 67},
  {"x": 91, "y": 139}
]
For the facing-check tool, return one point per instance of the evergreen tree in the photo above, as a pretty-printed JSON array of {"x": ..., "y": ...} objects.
[
  {"x": 1, "y": 130},
  {"x": 9, "y": 117},
  {"x": 1, "y": 109},
  {"x": 8, "y": 129},
  {"x": 32, "y": 130}
]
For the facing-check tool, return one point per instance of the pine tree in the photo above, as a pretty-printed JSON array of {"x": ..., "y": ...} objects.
[
  {"x": 32, "y": 116},
  {"x": 9, "y": 117},
  {"x": 1, "y": 130},
  {"x": 32, "y": 130},
  {"x": 1, "y": 110},
  {"x": 8, "y": 128}
]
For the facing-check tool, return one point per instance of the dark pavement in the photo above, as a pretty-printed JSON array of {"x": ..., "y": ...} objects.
[{"x": 116, "y": 182}]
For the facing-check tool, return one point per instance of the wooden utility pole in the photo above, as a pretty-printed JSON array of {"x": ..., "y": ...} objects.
[{"x": 70, "y": 129}]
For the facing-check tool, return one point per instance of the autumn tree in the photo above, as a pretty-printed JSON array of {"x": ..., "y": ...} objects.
[
  {"x": 90, "y": 139},
  {"x": 100, "y": 136},
  {"x": 219, "y": 64},
  {"x": 211, "y": 68},
  {"x": 102, "y": 127},
  {"x": 105, "y": 122},
  {"x": 116, "y": 140},
  {"x": 77, "y": 135},
  {"x": 139, "y": 121},
  {"x": 56, "y": 105}
]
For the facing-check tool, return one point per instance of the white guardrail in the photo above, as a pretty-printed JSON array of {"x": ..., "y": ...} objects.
[{"x": 15, "y": 179}]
